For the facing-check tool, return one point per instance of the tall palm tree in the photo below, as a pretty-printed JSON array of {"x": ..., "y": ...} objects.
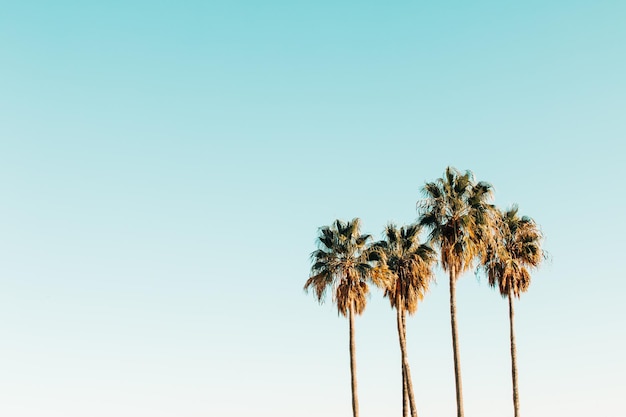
[
  {"x": 341, "y": 265},
  {"x": 515, "y": 250},
  {"x": 404, "y": 265},
  {"x": 456, "y": 211}
]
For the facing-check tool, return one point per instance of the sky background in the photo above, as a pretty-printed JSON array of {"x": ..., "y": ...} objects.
[{"x": 165, "y": 167}]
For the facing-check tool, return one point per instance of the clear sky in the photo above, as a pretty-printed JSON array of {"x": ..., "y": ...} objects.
[{"x": 165, "y": 165}]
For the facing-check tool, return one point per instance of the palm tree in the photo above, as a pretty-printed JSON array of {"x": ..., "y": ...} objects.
[
  {"x": 515, "y": 249},
  {"x": 456, "y": 211},
  {"x": 405, "y": 266},
  {"x": 341, "y": 265}
]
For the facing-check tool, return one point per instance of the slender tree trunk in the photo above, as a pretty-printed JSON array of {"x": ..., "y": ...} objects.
[
  {"x": 405, "y": 389},
  {"x": 405, "y": 362},
  {"x": 455, "y": 344},
  {"x": 355, "y": 399},
  {"x": 513, "y": 356}
]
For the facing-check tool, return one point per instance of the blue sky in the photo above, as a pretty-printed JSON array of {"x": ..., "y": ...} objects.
[{"x": 165, "y": 167}]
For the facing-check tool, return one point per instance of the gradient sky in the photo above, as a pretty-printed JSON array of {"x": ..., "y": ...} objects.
[{"x": 164, "y": 167}]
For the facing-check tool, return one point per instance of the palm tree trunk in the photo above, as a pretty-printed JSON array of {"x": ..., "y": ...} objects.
[
  {"x": 455, "y": 344},
  {"x": 405, "y": 389},
  {"x": 355, "y": 399},
  {"x": 405, "y": 362},
  {"x": 513, "y": 356}
]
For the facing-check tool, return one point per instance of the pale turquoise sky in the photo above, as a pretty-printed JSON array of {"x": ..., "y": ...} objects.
[{"x": 164, "y": 167}]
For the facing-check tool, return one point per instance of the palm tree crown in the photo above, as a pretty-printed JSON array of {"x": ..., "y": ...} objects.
[
  {"x": 515, "y": 249},
  {"x": 404, "y": 265},
  {"x": 457, "y": 213},
  {"x": 340, "y": 264}
]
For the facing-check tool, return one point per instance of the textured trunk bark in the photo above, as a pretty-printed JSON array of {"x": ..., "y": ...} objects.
[
  {"x": 513, "y": 356},
  {"x": 405, "y": 362},
  {"x": 405, "y": 396},
  {"x": 355, "y": 399},
  {"x": 455, "y": 344},
  {"x": 405, "y": 390}
]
